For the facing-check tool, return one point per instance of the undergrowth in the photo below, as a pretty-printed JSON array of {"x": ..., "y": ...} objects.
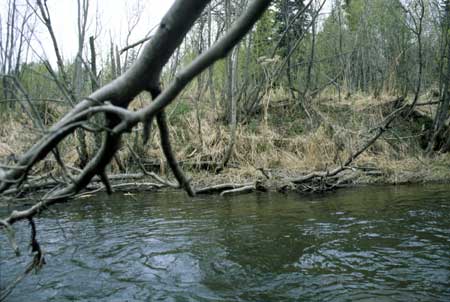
[{"x": 282, "y": 136}]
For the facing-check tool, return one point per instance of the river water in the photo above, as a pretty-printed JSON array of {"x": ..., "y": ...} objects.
[{"x": 364, "y": 244}]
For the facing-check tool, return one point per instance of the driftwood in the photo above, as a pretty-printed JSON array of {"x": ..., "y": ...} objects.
[
  {"x": 122, "y": 187},
  {"x": 39, "y": 185},
  {"x": 240, "y": 190},
  {"x": 325, "y": 184},
  {"x": 217, "y": 189},
  {"x": 233, "y": 189},
  {"x": 428, "y": 103}
]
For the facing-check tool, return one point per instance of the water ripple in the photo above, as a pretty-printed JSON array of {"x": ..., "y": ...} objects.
[{"x": 369, "y": 244}]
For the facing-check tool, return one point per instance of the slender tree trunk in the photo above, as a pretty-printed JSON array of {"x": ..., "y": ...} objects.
[
  {"x": 233, "y": 109},
  {"x": 229, "y": 67},
  {"x": 200, "y": 84},
  {"x": 118, "y": 63},
  {"x": 212, "y": 92},
  {"x": 94, "y": 73},
  {"x": 311, "y": 57},
  {"x": 341, "y": 59},
  {"x": 113, "y": 61},
  {"x": 442, "y": 112}
]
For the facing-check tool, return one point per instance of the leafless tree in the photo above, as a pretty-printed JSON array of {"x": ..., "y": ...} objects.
[
  {"x": 415, "y": 11},
  {"x": 14, "y": 45},
  {"x": 442, "y": 112},
  {"x": 113, "y": 99}
]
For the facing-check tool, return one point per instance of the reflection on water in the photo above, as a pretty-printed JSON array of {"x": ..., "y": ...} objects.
[{"x": 369, "y": 244}]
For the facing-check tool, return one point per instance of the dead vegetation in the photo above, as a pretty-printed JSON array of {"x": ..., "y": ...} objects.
[{"x": 281, "y": 144}]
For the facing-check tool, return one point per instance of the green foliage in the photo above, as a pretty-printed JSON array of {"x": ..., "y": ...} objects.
[
  {"x": 180, "y": 111},
  {"x": 354, "y": 10},
  {"x": 264, "y": 35},
  {"x": 36, "y": 80}
]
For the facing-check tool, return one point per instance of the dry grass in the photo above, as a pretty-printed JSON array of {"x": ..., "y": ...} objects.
[{"x": 280, "y": 139}]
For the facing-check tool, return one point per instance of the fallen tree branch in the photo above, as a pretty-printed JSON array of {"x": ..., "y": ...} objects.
[
  {"x": 142, "y": 76},
  {"x": 166, "y": 146},
  {"x": 428, "y": 103},
  {"x": 346, "y": 165},
  {"x": 220, "y": 188},
  {"x": 39, "y": 185},
  {"x": 240, "y": 190},
  {"x": 131, "y": 186}
]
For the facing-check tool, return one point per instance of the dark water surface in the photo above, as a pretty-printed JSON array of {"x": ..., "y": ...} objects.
[{"x": 366, "y": 244}]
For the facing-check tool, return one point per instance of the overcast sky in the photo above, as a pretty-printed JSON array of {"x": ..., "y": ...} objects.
[
  {"x": 114, "y": 16},
  {"x": 113, "y": 22}
]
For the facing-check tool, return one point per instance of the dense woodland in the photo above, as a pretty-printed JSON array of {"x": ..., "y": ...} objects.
[{"x": 314, "y": 95}]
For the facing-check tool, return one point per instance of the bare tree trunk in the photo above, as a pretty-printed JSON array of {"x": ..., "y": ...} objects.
[
  {"x": 200, "y": 84},
  {"x": 442, "y": 113},
  {"x": 78, "y": 78},
  {"x": 233, "y": 109},
  {"x": 287, "y": 21},
  {"x": 45, "y": 15},
  {"x": 420, "y": 58},
  {"x": 417, "y": 15},
  {"x": 118, "y": 63},
  {"x": 311, "y": 57},
  {"x": 113, "y": 61},
  {"x": 211, "y": 88},
  {"x": 342, "y": 78},
  {"x": 227, "y": 91},
  {"x": 94, "y": 73},
  {"x": 8, "y": 51}
]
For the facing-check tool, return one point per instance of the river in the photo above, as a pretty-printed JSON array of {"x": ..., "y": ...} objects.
[{"x": 361, "y": 244}]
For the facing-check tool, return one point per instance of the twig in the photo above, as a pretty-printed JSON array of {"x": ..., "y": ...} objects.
[{"x": 135, "y": 44}]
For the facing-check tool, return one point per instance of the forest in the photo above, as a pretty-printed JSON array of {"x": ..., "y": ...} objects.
[{"x": 226, "y": 97}]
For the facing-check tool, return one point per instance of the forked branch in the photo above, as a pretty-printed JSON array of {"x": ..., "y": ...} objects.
[{"x": 143, "y": 75}]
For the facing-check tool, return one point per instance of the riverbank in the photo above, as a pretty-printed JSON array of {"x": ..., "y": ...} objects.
[{"x": 277, "y": 146}]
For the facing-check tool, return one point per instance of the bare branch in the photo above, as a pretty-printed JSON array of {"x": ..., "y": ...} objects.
[{"x": 143, "y": 75}]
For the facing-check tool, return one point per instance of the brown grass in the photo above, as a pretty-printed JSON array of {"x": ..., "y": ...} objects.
[{"x": 338, "y": 129}]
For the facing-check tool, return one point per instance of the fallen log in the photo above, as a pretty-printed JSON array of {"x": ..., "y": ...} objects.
[
  {"x": 232, "y": 188},
  {"x": 220, "y": 188},
  {"x": 326, "y": 184},
  {"x": 240, "y": 190},
  {"x": 123, "y": 187},
  {"x": 40, "y": 185}
]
